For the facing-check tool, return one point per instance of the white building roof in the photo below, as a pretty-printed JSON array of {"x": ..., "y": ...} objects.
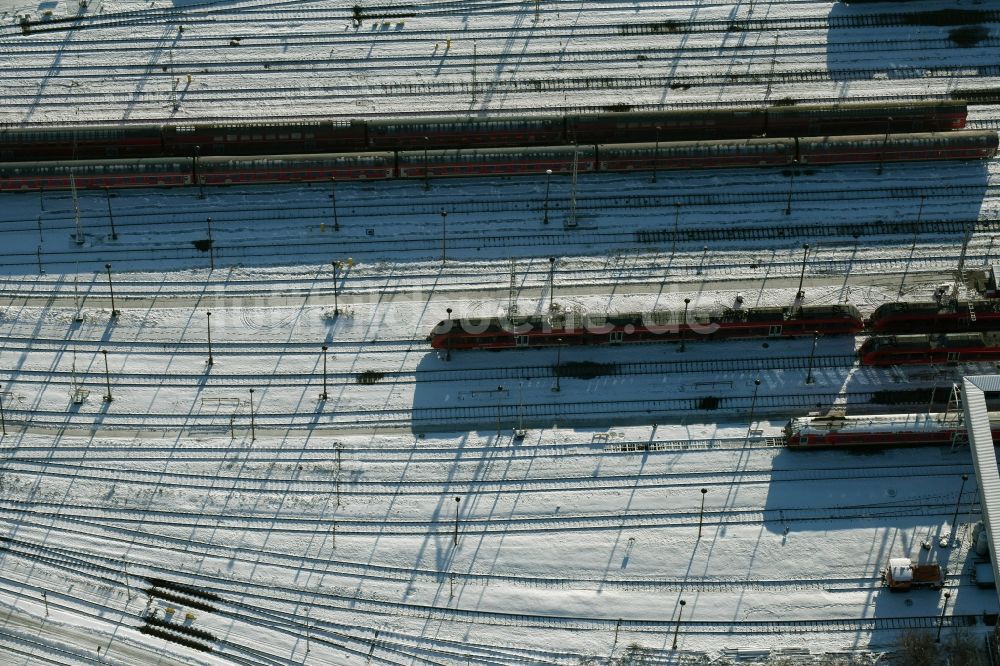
[{"x": 983, "y": 455}]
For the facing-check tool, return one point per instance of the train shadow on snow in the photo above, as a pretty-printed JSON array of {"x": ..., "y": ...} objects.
[{"x": 956, "y": 35}]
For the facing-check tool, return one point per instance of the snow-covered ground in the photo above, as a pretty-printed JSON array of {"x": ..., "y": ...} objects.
[{"x": 401, "y": 520}]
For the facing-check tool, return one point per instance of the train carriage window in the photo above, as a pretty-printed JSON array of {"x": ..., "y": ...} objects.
[
  {"x": 616, "y": 337},
  {"x": 953, "y": 356}
]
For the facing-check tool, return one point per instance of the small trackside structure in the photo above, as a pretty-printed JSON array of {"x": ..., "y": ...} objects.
[{"x": 902, "y": 574}]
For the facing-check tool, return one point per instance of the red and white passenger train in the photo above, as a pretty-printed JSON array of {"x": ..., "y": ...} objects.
[
  {"x": 933, "y": 349},
  {"x": 661, "y": 326},
  {"x": 951, "y": 316}
]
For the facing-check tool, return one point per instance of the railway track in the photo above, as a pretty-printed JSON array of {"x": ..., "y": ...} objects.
[
  {"x": 393, "y": 642},
  {"x": 456, "y": 66},
  {"x": 111, "y": 568},
  {"x": 145, "y": 520},
  {"x": 350, "y": 93},
  {"x": 64, "y": 450},
  {"x": 319, "y": 249},
  {"x": 360, "y": 488},
  {"x": 954, "y": 17},
  {"x": 566, "y": 370},
  {"x": 367, "y": 208},
  {"x": 984, "y": 97},
  {"x": 332, "y": 602},
  {"x": 926, "y": 265},
  {"x": 502, "y": 416}
]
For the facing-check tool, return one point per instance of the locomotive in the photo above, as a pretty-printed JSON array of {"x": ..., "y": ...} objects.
[
  {"x": 438, "y": 133},
  {"x": 881, "y": 430},
  {"x": 16, "y": 176},
  {"x": 658, "y": 326},
  {"x": 933, "y": 349}
]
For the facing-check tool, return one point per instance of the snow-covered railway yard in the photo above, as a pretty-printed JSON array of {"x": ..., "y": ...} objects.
[{"x": 150, "y": 497}]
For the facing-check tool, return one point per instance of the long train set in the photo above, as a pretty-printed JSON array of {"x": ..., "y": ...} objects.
[
  {"x": 73, "y": 142},
  {"x": 415, "y": 164},
  {"x": 87, "y": 157}
]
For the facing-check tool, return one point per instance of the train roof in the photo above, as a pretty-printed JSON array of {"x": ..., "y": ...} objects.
[
  {"x": 877, "y": 423},
  {"x": 298, "y": 158},
  {"x": 946, "y": 138},
  {"x": 450, "y": 121},
  {"x": 82, "y": 132},
  {"x": 260, "y": 124},
  {"x": 134, "y": 162},
  {"x": 666, "y": 114},
  {"x": 850, "y": 107},
  {"x": 654, "y": 318},
  {"x": 520, "y": 151},
  {"x": 734, "y": 144},
  {"x": 933, "y": 340},
  {"x": 946, "y": 307}
]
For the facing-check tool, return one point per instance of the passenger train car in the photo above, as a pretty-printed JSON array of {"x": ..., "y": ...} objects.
[
  {"x": 663, "y": 326},
  {"x": 934, "y": 349},
  {"x": 964, "y": 145},
  {"x": 949, "y": 317},
  {"x": 881, "y": 430},
  {"x": 440, "y": 133},
  {"x": 97, "y": 174}
]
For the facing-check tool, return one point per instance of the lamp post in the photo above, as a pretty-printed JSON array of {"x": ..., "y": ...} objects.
[
  {"x": 427, "y": 171},
  {"x": 958, "y": 504},
  {"x": 656, "y": 152},
  {"x": 323, "y": 395},
  {"x": 753, "y": 405},
  {"x": 211, "y": 245},
  {"x": 687, "y": 302},
  {"x": 791, "y": 183},
  {"x": 457, "y": 505},
  {"x": 208, "y": 317},
  {"x": 552, "y": 283},
  {"x": 548, "y": 180},
  {"x": 812, "y": 354},
  {"x": 107, "y": 376},
  {"x": 885, "y": 141},
  {"x": 555, "y": 369},
  {"x": 499, "y": 398},
  {"x": 677, "y": 224},
  {"x": 802, "y": 274},
  {"x": 333, "y": 197},
  {"x": 111, "y": 288},
  {"x": 913, "y": 247},
  {"x": 3, "y": 420},
  {"x": 253, "y": 429},
  {"x": 447, "y": 351},
  {"x": 947, "y": 596},
  {"x": 677, "y": 627},
  {"x": 197, "y": 172},
  {"x": 111, "y": 217},
  {"x": 701, "y": 515},
  {"x": 444, "y": 236},
  {"x": 336, "y": 306}
]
